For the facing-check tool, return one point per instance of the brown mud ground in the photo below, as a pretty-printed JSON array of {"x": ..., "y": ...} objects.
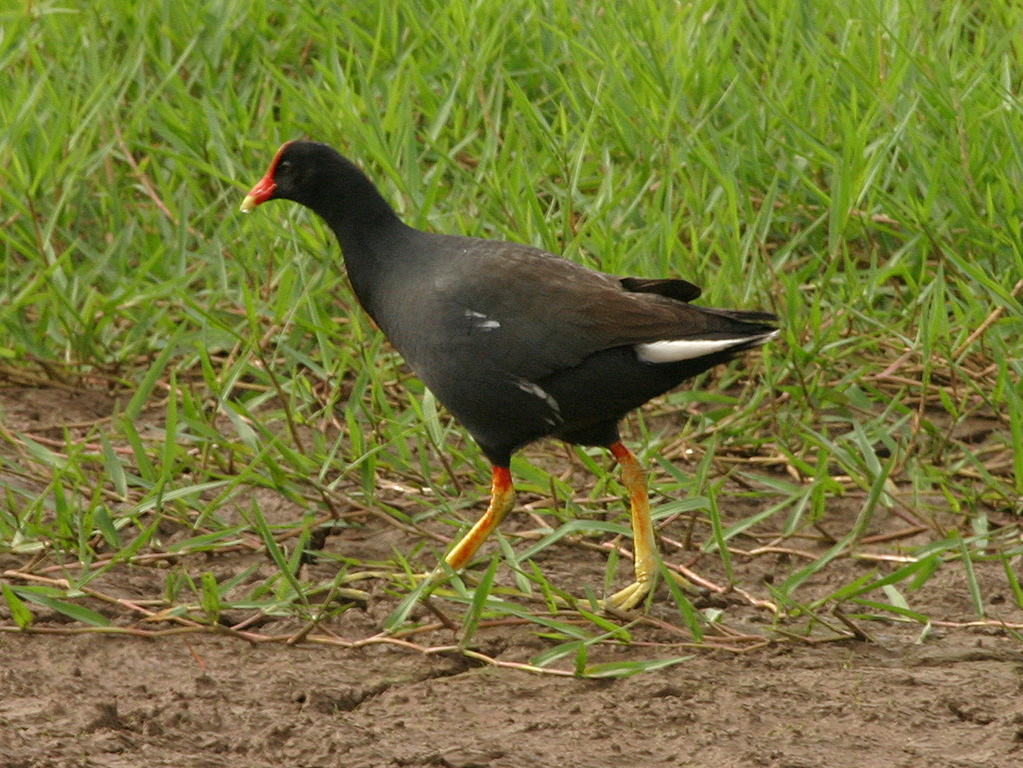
[{"x": 899, "y": 696}]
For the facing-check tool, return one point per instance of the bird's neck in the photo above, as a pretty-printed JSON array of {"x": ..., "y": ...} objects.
[
  {"x": 362, "y": 220},
  {"x": 374, "y": 242},
  {"x": 356, "y": 211},
  {"x": 372, "y": 255}
]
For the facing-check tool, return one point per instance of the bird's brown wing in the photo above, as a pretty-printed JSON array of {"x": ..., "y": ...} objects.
[{"x": 547, "y": 313}]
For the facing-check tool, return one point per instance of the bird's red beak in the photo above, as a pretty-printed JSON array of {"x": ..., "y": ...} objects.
[
  {"x": 260, "y": 193},
  {"x": 266, "y": 187}
]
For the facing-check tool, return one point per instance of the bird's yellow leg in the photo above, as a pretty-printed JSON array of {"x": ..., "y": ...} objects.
[
  {"x": 644, "y": 544},
  {"x": 502, "y": 499}
]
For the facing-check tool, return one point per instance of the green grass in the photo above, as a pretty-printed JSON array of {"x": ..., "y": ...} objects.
[{"x": 857, "y": 169}]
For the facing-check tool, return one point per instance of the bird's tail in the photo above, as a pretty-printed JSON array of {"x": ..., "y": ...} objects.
[{"x": 737, "y": 330}]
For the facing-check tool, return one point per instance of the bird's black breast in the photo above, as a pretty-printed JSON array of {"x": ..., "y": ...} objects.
[{"x": 462, "y": 320}]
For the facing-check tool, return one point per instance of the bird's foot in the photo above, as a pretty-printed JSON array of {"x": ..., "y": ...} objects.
[
  {"x": 634, "y": 594},
  {"x": 628, "y": 598}
]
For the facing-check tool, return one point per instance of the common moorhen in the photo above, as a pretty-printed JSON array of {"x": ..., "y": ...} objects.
[{"x": 517, "y": 343}]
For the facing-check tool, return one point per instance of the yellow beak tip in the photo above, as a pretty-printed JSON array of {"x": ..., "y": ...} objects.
[{"x": 248, "y": 203}]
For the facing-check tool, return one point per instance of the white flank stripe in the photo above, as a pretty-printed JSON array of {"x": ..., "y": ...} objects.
[
  {"x": 688, "y": 349},
  {"x": 481, "y": 321},
  {"x": 543, "y": 394}
]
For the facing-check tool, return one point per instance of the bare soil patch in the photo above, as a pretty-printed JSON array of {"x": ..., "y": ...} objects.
[
  {"x": 208, "y": 701},
  {"x": 949, "y": 695}
]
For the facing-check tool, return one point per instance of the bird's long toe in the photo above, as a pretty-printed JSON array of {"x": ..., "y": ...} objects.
[{"x": 630, "y": 597}]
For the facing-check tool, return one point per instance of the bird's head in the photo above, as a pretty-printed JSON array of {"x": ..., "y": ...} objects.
[{"x": 296, "y": 173}]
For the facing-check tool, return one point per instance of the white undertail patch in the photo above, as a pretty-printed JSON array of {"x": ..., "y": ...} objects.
[{"x": 690, "y": 349}]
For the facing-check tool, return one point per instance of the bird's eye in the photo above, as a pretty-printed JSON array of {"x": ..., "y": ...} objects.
[{"x": 284, "y": 165}]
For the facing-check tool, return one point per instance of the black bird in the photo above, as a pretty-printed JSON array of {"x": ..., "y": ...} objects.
[{"x": 518, "y": 344}]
